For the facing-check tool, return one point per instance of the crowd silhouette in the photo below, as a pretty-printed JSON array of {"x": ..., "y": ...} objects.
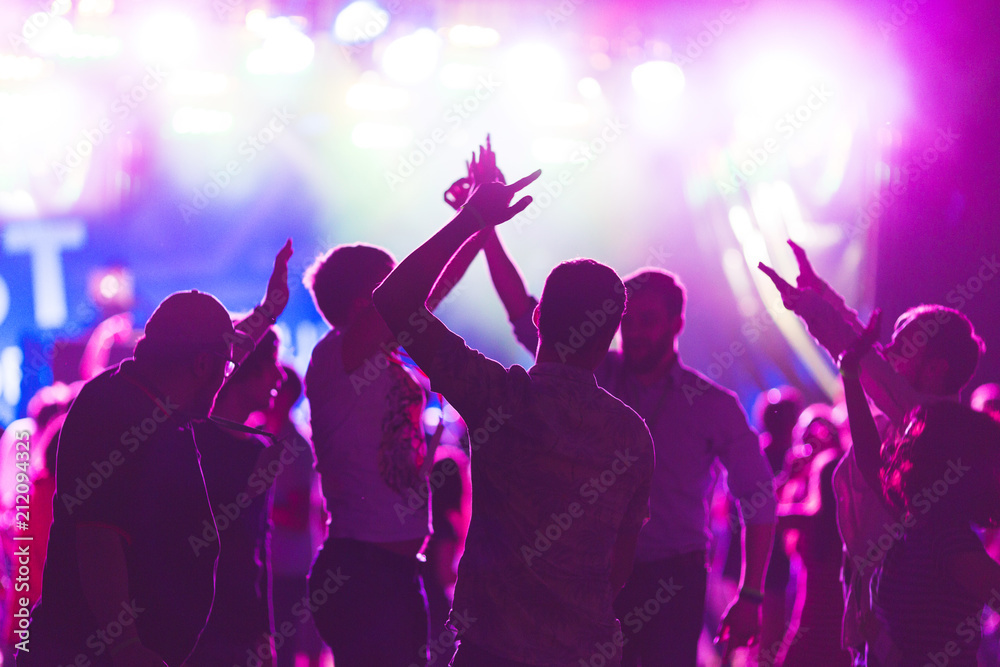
[{"x": 191, "y": 517}]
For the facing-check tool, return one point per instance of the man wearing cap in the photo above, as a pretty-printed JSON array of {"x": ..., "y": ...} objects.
[{"x": 122, "y": 583}]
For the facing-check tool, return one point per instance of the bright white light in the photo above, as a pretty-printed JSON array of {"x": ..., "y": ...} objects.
[
  {"x": 360, "y": 22},
  {"x": 459, "y": 76},
  {"x": 168, "y": 38},
  {"x": 374, "y": 97},
  {"x": 189, "y": 120},
  {"x": 658, "y": 81},
  {"x": 380, "y": 135},
  {"x": 589, "y": 88},
  {"x": 411, "y": 59},
  {"x": 19, "y": 68},
  {"x": 92, "y": 7},
  {"x": 192, "y": 82},
  {"x": 559, "y": 114},
  {"x": 739, "y": 220},
  {"x": 536, "y": 68},
  {"x": 432, "y": 416},
  {"x": 774, "y": 82},
  {"x": 286, "y": 50},
  {"x": 90, "y": 46},
  {"x": 47, "y": 34},
  {"x": 473, "y": 36},
  {"x": 553, "y": 150}
]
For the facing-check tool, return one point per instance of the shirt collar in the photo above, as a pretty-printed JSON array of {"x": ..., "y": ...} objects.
[{"x": 562, "y": 371}]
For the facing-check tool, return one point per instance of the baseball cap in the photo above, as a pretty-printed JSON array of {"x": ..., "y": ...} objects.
[{"x": 190, "y": 319}]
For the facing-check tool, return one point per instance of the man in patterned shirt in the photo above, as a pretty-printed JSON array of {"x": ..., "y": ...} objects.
[{"x": 560, "y": 468}]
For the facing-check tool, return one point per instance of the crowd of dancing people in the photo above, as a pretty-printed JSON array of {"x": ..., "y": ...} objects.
[{"x": 182, "y": 516}]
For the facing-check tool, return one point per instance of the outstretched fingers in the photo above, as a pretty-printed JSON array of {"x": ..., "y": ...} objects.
[{"x": 524, "y": 182}]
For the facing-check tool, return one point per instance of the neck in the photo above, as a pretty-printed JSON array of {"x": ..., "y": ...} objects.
[{"x": 548, "y": 355}]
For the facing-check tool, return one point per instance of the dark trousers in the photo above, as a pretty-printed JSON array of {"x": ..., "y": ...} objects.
[
  {"x": 368, "y": 605},
  {"x": 662, "y": 609}
]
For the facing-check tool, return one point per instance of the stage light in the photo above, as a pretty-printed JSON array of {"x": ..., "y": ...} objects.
[
  {"x": 189, "y": 120},
  {"x": 90, "y": 46},
  {"x": 380, "y": 135},
  {"x": 411, "y": 59},
  {"x": 112, "y": 287},
  {"x": 460, "y": 76},
  {"x": 286, "y": 49},
  {"x": 20, "y": 68},
  {"x": 589, "y": 88},
  {"x": 558, "y": 114},
  {"x": 47, "y": 34},
  {"x": 168, "y": 37},
  {"x": 658, "y": 81},
  {"x": 360, "y": 22},
  {"x": 375, "y": 97},
  {"x": 195, "y": 83},
  {"x": 535, "y": 69},
  {"x": 554, "y": 150},
  {"x": 94, "y": 7},
  {"x": 473, "y": 36}
]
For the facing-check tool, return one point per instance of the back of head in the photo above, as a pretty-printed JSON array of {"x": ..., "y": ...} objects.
[
  {"x": 776, "y": 410},
  {"x": 946, "y": 334},
  {"x": 184, "y": 325},
  {"x": 663, "y": 284},
  {"x": 344, "y": 274},
  {"x": 580, "y": 309},
  {"x": 951, "y": 452}
]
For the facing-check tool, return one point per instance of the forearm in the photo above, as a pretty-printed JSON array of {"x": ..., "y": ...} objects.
[
  {"x": 506, "y": 277},
  {"x": 455, "y": 269},
  {"x": 757, "y": 541},
  {"x": 405, "y": 291},
  {"x": 864, "y": 433}
]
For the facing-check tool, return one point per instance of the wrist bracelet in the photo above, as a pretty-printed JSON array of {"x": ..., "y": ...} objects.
[
  {"x": 751, "y": 595},
  {"x": 261, "y": 309}
]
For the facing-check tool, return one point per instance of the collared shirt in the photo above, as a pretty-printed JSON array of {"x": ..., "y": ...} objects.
[
  {"x": 694, "y": 424},
  {"x": 559, "y": 469}
]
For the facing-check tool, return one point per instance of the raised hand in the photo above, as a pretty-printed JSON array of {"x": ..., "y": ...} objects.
[
  {"x": 478, "y": 171},
  {"x": 277, "y": 286},
  {"x": 807, "y": 277},
  {"x": 490, "y": 202}
]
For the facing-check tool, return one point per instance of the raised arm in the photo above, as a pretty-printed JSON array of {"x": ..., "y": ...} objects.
[
  {"x": 506, "y": 278},
  {"x": 864, "y": 432},
  {"x": 402, "y": 297},
  {"x": 836, "y": 327},
  {"x": 255, "y": 325}
]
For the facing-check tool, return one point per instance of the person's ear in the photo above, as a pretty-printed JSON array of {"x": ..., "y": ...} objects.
[{"x": 536, "y": 314}]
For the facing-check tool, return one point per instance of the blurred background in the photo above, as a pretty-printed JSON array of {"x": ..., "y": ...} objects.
[{"x": 148, "y": 147}]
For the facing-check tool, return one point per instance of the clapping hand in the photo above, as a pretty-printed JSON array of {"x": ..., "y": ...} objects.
[{"x": 478, "y": 171}]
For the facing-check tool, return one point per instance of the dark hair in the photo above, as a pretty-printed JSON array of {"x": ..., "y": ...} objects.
[
  {"x": 777, "y": 409},
  {"x": 662, "y": 283},
  {"x": 951, "y": 337},
  {"x": 952, "y": 452},
  {"x": 344, "y": 274},
  {"x": 581, "y": 307}
]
